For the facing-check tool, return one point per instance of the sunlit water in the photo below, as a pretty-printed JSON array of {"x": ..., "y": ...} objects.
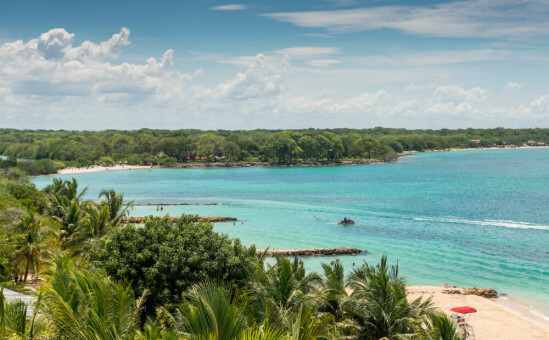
[{"x": 467, "y": 218}]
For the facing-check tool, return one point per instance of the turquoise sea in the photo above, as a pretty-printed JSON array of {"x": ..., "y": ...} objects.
[{"x": 466, "y": 218}]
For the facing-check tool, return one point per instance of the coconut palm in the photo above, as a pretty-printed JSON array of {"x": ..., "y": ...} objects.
[
  {"x": 280, "y": 289},
  {"x": 212, "y": 309},
  {"x": 115, "y": 202},
  {"x": 439, "y": 327},
  {"x": 70, "y": 190},
  {"x": 379, "y": 304},
  {"x": 307, "y": 326},
  {"x": 33, "y": 248},
  {"x": 334, "y": 294},
  {"x": 287, "y": 283},
  {"x": 98, "y": 221},
  {"x": 72, "y": 217},
  {"x": 86, "y": 305},
  {"x": 15, "y": 321}
]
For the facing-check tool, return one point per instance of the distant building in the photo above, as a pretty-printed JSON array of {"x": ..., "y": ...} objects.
[
  {"x": 532, "y": 143},
  {"x": 476, "y": 142}
]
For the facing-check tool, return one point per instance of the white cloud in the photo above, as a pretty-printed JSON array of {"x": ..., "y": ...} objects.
[
  {"x": 259, "y": 80},
  {"x": 294, "y": 53},
  {"x": 305, "y": 52},
  {"x": 473, "y": 18},
  {"x": 49, "y": 82},
  {"x": 323, "y": 62},
  {"x": 233, "y": 7},
  {"x": 455, "y": 93},
  {"x": 513, "y": 86}
]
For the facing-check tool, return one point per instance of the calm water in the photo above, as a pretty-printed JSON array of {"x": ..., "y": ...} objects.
[{"x": 468, "y": 218}]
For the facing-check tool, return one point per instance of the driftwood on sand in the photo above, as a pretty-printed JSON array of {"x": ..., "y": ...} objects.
[
  {"x": 314, "y": 252},
  {"x": 177, "y": 218}
]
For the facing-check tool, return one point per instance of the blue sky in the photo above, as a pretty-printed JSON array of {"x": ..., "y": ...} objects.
[{"x": 274, "y": 64}]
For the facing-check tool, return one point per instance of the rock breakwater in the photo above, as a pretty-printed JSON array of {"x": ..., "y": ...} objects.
[
  {"x": 314, "y": 252},
  {"x": 484, "y": 292},
  {"x": 177, "y": 218}
]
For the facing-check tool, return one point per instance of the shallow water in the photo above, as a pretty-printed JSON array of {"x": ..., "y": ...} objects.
[{"x": 468, "y": 218}]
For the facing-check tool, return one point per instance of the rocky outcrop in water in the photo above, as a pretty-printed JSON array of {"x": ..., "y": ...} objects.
[
  {"x": 484, "y": 292},
  {"x": 314, "y": 252},
  {"x": 159, "y": 204},
  {"x": 138, "y": 220}
]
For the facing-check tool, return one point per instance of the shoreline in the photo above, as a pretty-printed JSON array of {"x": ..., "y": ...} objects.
[
  {"x": 501, "y": 318},
  {"x": 193, "y": 165}
]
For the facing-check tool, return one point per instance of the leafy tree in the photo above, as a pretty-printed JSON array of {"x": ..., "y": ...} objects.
[
  {"x": 309, "y": 146},
  {"x": 167, "y": 258}
]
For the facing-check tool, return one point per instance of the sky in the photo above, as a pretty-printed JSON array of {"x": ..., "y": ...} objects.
[{"x": 129, "y": 64}]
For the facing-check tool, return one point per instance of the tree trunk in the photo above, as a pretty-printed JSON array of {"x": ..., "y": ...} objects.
[{"x": 27, "y": 268}]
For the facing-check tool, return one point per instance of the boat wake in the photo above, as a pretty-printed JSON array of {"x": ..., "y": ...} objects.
[{"x": 489, "y": 223}]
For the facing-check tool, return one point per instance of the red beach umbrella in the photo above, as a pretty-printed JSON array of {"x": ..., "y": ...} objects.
[
  {"x": 188, "y": 157},
  {"x": 464, "y": 310},
  {"x": 197, "y": 157}
]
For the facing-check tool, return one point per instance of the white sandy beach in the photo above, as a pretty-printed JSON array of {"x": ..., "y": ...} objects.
[
  {"x": 495, "y": 318},
  {"x": 102, "y": 168}
]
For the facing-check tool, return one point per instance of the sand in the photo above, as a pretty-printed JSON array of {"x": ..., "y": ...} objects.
[
  {"x": 495, "y": 318},
  {"x": 102, "y": 168}
]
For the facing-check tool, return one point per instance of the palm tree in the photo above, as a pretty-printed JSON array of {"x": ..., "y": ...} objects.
[
  {"x": 15, "y": 322},
  {"x": 115, "y": 202},
  {"x": 439, "y": 327},
  {"x": 33, "y": 249},
  {"x": 379, "y": 304},
  {"x": 71, "y": 190},
  {"x": 98, "y": 221},
  {"x": 334, "y": 294},
  {"x": 308, "y": 327},
  {"x": 215, "y": 310},
  {"x": 280, "y": 289},
  {"x": 86, "y": 305},
  {"x": 72, "y": 217}
]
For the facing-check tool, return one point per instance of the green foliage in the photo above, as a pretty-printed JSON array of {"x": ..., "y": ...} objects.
[
  {"x": 167, "y": 258},
  {"x": 86, "y": 305},
  {"x": 39, "y": 167},
  {"x": 167, "y": 147}
]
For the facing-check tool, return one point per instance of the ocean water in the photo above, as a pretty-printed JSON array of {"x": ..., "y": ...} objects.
[{"x": 466, "y": 218}]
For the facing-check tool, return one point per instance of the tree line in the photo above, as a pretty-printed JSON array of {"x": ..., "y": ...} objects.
[
  {"x": 166, "y": 147},
  {"x": 102, "y": 279}
]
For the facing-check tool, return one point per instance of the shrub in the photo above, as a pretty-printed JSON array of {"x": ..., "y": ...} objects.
[{"x": 168, "y": 257}]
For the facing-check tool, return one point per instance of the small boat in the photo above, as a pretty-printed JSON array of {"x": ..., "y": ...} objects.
[{"x": 346, "y": 222}]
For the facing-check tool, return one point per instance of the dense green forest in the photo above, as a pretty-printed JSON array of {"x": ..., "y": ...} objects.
[
  {"x": 167, "y": 147},
  {"x": 94, "y": 277}
]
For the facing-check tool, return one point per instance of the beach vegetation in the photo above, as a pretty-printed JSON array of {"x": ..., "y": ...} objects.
[
  {"x": 95, "y": 277},
  {"x": 166, "y": 258},
  {"x": 42, "y": 152}
]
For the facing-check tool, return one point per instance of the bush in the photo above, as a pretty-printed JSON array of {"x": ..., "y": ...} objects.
[
  {"x": 41, "y": 167},
  {"x": 106, "y": 160},
  {"x": 168, "y": 257}
]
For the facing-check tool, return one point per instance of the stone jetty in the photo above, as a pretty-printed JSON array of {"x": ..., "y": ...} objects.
[
  {"x": 177, "y": 218},
  {"x": 314, "y": 252},
  {"x": 484, "y": 292},
  {"x": 153, "y": 204}
]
